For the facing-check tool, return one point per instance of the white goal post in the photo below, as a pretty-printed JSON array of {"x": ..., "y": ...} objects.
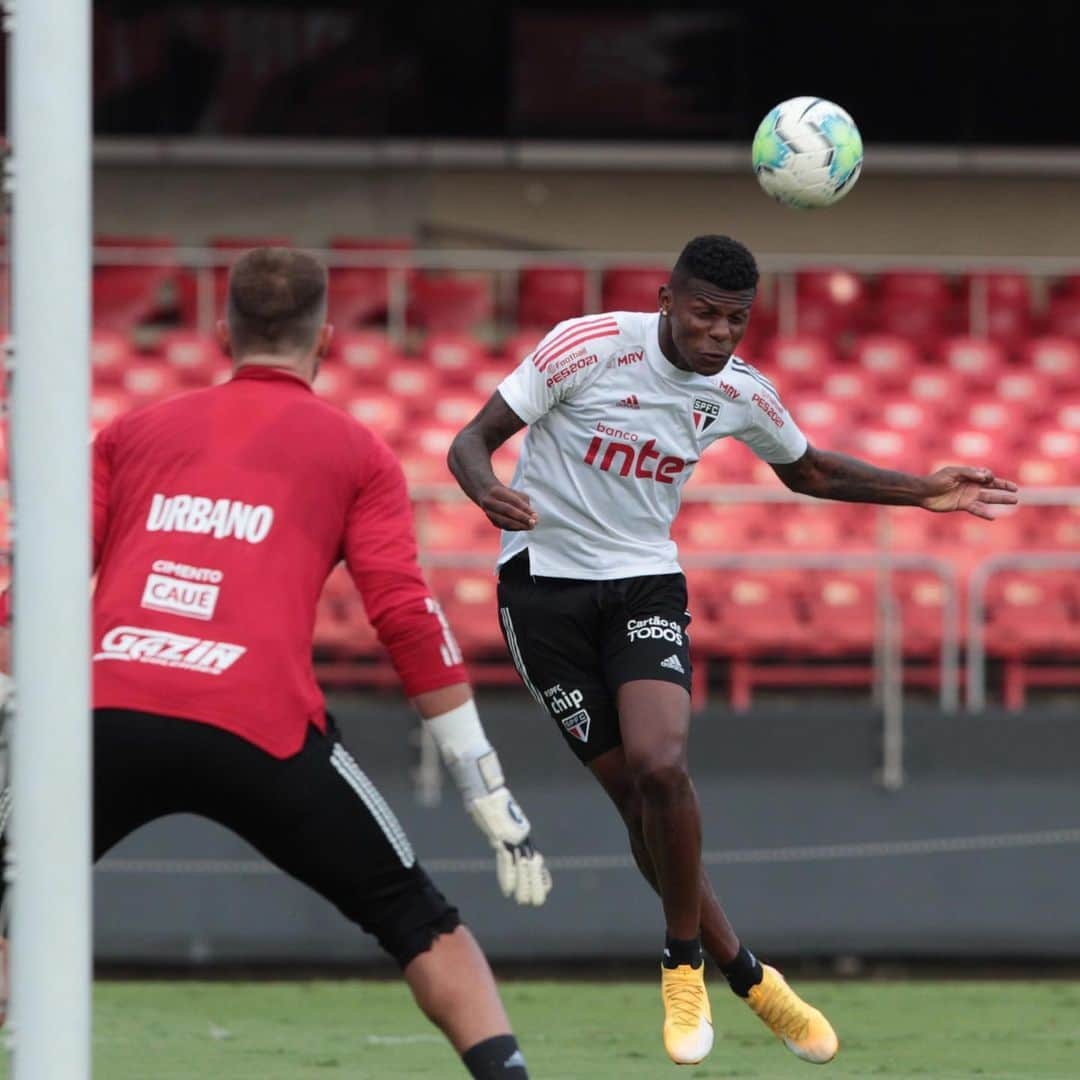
[{"x": 49, "y": 107}]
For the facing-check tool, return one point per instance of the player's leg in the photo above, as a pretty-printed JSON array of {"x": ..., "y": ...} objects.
[
  {"x": 318, "y": 817},
  {"x": 717, "y": 934}
]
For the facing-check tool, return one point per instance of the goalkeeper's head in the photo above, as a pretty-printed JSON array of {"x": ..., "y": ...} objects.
[{"x": 276, "y": 312}]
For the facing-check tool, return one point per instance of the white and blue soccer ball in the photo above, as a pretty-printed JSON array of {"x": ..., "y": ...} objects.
[{"x": 807, "y": 153}]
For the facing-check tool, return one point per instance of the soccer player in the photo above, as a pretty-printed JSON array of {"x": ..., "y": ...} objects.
[
  {"x": 217, "y": 517},
  {"x": 593, "y": 607}
]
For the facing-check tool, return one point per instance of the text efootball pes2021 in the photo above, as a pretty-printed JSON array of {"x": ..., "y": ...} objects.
[{"x": 807, "y": 153}]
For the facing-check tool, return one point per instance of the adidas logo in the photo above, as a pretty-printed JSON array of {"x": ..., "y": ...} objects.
[
  {"x": 515, "y": 1061},
  {"x": 672, "y": 663},
  {"x": 630, "y": 402}
]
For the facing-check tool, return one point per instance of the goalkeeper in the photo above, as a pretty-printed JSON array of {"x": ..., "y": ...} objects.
[{"x": 217, "y": 517}]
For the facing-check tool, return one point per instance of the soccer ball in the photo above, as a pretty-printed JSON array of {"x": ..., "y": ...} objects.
[{"x": 807, "y": 153}]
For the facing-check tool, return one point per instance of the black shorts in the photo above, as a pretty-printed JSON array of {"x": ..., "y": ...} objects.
[
  {"x": 315, "y": 815},
  {"x": 575, "y": 642}
]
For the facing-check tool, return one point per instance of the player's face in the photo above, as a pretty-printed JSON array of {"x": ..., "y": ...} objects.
[{"x": 706, "y": 323}]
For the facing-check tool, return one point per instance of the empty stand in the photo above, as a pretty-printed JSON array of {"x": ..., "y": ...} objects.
[
  {"x": 126, "y": 295},
  {"x": 548, "y": 295},
  {"x": 633, "y": 288}
]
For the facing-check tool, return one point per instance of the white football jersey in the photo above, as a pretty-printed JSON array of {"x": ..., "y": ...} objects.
[{"x": 615, "y": 430}]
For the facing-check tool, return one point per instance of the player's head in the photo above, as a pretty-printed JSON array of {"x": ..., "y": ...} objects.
[
  {"x": 277, "y": 310},
  {"x": 706, "y": 303}
]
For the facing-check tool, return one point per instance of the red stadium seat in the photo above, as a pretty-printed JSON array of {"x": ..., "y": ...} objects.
[
  {"x": 433, "y": 440},
  {"x": 487, "y": 376},
  {"x": 334, "y": 382},
  {"x": 455, "y": 526},
  {"x": 971, "y": 446},
  {"x": 1059, "y": 444},
  {"x": 889, "y": 360},
  {"x": 916, "y": 305},
  {"x": 979, "y": 362},
  {"x": 456, "y": 409},
  {"x": 368, "y": 353},
  {"x": 1063, "y": 316},
  {"x": 1033, "y": 470},
  {"x": 917, "y": 286},
  {"x": 414, "y": 383},
  {"x": 1058, "y": 528},
  {"x": 196, "y": 358},
  {"x": 842, "y": 611},
  {"x": 633, "y": 288},
  {"x": 726, "y": 461},
  {"x": 903, "y": 413},
  {"x": 1067, "y": 413},
  {"x": 921, "y": 596},
  {"x": 940, "y": 389},
  {"x": 889, "y": 448},
  {"x": 1032, "y": 613},
  {"x": 126, "y": 295},
  {"x": 1024, "y": 391},
  {"x": 853, "y": 389},
  {"x": 997, "y": 304},
  {"x": 469, "y": 602},
  {"x": 106, "y": 405},
  {"x": 517, "y": 346},
  {"x": 150, "y": 380},
  {"x": 1055, "y": 359},
  {"x": 424, "y": 470},
  {"x": 454, "y": 356},
  {"x": 967, "y": 540},
  {"x": 550, "y": 294},
  {"x": 709, "y": 528},
  {"x": 758, "y": 613},
  {"x": 360, "y": 294},
  {"x": 990, "y": 414},
  {"x": 831, "y": 301},
  {"x": 824, "y": 420},
  {"x": 799, "y": 361},
  {"x": 110, "y": 354},
  {"x": 451, "y": 303},
  {"x": 381, "y": 412},
  {"x": 800, "y": 528}
]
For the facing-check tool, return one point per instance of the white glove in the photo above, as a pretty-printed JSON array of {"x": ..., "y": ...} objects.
[{"x": 520, "y": 867}]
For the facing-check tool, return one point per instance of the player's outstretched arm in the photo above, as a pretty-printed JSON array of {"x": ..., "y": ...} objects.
[
  {"x": 827, "y": 475},
  {"x": 450, "y": 715},
  {"x": 469, "y": 460}
]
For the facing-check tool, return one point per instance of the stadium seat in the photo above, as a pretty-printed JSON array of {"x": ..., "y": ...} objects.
[
  {"x": 380, "y": 411},
  {"x": 487, "y": 376},
  {"x": 830, "y": 301},
  {"x": 712, "y": 528},
  {"x": 758, "y": 613},
  {"x": 128, "y": 294},
  {"x": 971, "y": 446},
  {"x": 334, "y": 382},
  {"x": 423, "y": 469},
  {"x": 853, "y": 389},
  {"x": 889, "y": 448},
  {"x": 998, "y": 305},
  {"x": 1055, "y": 359},
  {"x": 991, "y": 414},
  {"x": 454, "y": 356},
  {"x": 633, "y": 288},
  {"x": 449, "y": 303},
  {"x": 916, "y": 305},
  {"x": 195, "y": 357},
  {"x": 824, "y": 420},
  {"x": 1024, "y": 391},
  {"x": 800, "y": 528},
  {"x": 980, "y": 363},
  {"x": 798, "y": 362},
  {"x": 921, "y": 596},
  {"x": 1034, "y": 470},
  {"x": 842, "y": 611},
  {"x": 1063, "y": 316},
  {"x": 1066, "y": 413},
  {"x": 904, "y": 413},
  {"x": 726, "y": 461},
  {"x": 943, "y": 390},
  {"x": 456, "y": 409},
  {"x": 471, "y": 607},
  {"x": 110, "y": 353},
  {"x": 455, "y": 526},
  {"x": 432, "y": 440},
  {"x": 967, "y": 540},
  {"x": 357, "y": 295},
  {"x": 889, "y": 360},
  {"x": 414, "y": 383},
  {"x": 1032, "y": 613},
  {"x": 517, "y": 346},
  {"x": 548, "y": 295},
  {"x": 368, "y": 353},
  {"x": 106, "y": 405},
  {"x": 149, "y": 380},
  {"x": 1058, "y": 528}
]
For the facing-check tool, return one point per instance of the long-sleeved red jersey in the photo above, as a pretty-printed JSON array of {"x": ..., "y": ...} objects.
[{"x": 217, "y": 517}]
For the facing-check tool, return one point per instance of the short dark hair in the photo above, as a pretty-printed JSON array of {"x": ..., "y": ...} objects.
[
  {"x": 277, "y": 300},
  {"x": 720, "y": 261}
]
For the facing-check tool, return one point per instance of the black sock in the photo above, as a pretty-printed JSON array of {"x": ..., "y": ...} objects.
[
  {"x": 678, "y": 952},
  {"x": 497, "y": 1058},
  {"x": 743, "y": 972}
]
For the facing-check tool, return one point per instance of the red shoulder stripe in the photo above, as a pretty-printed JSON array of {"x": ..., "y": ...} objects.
[{"x": 556, "y": 344}]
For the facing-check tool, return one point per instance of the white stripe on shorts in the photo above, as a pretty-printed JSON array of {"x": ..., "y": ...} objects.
[
  {"x": 377, "y": 806},
  {"x": 515, "y": 654}
]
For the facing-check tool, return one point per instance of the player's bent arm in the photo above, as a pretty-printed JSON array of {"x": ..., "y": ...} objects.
[
  {"x": 449, "y": 714},
  {"x": 469, "y": 459},
  {"x": 828, "y": 475}
]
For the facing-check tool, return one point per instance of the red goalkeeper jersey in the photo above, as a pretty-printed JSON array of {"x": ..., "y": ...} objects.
[{"x": 217, "y": 517}]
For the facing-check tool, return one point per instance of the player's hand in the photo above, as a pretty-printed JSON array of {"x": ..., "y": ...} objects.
[
  {"x": 520, "y": 867},
  {"x": 508, "y": 509},
  {"x": 963, "y": 487}
]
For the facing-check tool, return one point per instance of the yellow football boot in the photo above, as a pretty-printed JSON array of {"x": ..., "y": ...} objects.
[
  {"x": 803, "y": 1029},
  {"x": 688, "y": 1030}
]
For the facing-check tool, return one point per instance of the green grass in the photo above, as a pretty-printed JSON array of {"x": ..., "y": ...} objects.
[{"x": 576, "y": 1031}]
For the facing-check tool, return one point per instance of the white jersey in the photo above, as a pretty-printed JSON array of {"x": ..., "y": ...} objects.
[{"x": 615, "y": 430}]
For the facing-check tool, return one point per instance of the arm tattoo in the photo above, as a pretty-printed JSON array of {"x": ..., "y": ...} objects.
[{"x": 827, "y": 475}]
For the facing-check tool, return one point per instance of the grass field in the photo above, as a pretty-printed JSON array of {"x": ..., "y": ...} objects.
[{"x": 576, "y": 1031}]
